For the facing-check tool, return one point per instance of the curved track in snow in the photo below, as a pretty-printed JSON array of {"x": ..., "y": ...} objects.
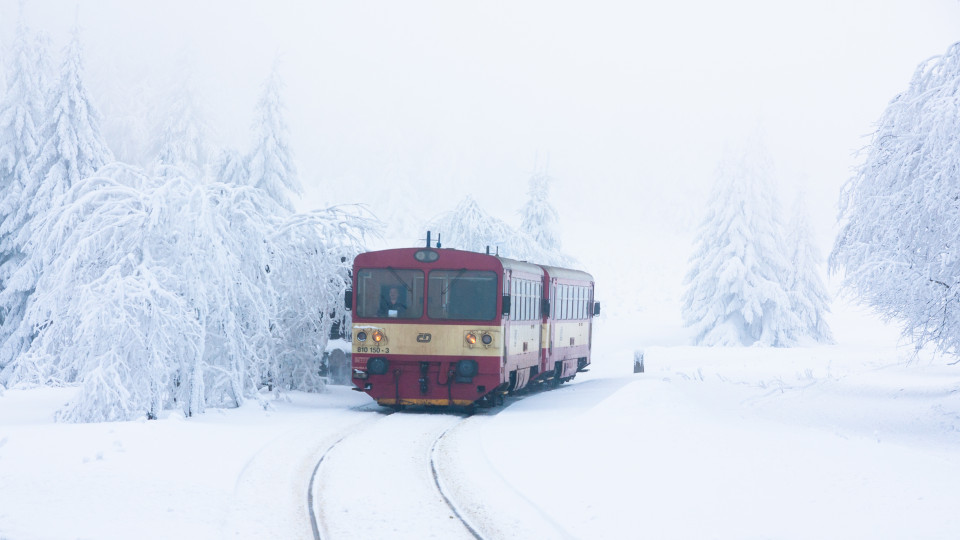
[{"x": 381, "y": 480}]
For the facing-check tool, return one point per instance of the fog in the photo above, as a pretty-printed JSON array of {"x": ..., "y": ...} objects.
[{"x": 409, "y": 106}]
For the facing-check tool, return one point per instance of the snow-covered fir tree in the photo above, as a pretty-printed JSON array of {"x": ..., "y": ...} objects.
[
  {"x": 46, "y": 70},
  {"x": 72, "y": 145},
  {"x": 21, "y": 118},
  {"x": 70, "y": 149},
  {"x": 228, "y": 167},
  {"x": 539, "y": 219},
  {"x": 898, "y": 248},
  {"x": 270, "y": 164},
  {"x": 181, "y": 144},
  {"x": 21, "y": 110},
  {"x": 735, "y": 288},
  {"x": 468, "y": 227},
  {"x": 809, "y": 300},
  {"x": 132, "y": 119}
]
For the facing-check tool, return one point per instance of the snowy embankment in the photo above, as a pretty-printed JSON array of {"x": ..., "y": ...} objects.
[
  {"x": 743, "y": 443},
  {"x": 240, "y": 473},
  {"x": 829, "y": 442}
]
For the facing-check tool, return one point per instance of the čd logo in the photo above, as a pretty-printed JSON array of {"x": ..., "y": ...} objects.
[{"x": 423, "y": 338}]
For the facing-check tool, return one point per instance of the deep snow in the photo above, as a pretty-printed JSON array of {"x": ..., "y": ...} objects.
[{"x": 839, "y": 441}]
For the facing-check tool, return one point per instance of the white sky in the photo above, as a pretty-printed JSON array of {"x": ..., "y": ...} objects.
[{"x": 410, "y": 105}]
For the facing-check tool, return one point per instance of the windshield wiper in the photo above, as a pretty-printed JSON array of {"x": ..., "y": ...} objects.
[
  {"x": 400, "y": 279},
  {"x": 452, "y": 281}
]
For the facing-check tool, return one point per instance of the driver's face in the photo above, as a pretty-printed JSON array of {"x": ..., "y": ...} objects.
[{"x": 394, "y": 295}]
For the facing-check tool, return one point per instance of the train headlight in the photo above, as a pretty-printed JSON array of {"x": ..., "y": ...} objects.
[
  {"x": 378, "y": 365},
  {"x": 377, "y": 336},
  {"x": 486, "y": 339},
  {"x": 361, "y": 336},
  {"x": 471, "y": 338}
]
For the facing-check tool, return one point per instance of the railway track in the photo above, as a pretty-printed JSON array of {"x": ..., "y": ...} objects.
[{"x": 381, "y": 479}]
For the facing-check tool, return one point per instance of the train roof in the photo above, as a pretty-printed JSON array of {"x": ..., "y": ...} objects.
[
  {"x": 566, "y": 273},
  {"x": 405, "y": 256},
  {"x": 521, "y": 266}
]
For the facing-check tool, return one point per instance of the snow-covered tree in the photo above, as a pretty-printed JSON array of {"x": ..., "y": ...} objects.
[
  {"x": 70, "y": 149},
  {"x": 46, "y": 70},
  {"x": 72, "y": 145},
  {"x": 21, "y": 107},
  {"x": 468, "y": 227},
  {"x": 181, "y": 143},
  {"x": 270, "y": 164},
  {"x": 735, "y": 291},
  {"x": 132, "y": 118},
  {"x": 171, "y": 293},
  {"x": 228, "y": 167},
  {"x": 539, "y": 218},
  {"x": 809, "y": 300},
  {"x": 21, "y": 118},
  {"x": 899, "y": 248},
  {"x": 314, "y": 254}
]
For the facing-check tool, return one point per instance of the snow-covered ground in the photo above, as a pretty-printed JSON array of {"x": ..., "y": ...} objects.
[{"x": 825, "y": 442}]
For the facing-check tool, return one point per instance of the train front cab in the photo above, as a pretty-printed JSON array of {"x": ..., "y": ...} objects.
[{"x": 446, "y": 345}]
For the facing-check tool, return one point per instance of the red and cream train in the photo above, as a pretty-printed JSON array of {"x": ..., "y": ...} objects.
[{"x": 444, "y": 327}]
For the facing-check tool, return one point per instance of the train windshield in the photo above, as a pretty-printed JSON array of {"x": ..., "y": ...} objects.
[
  {"x": 462, "y": 294},
  {"x": 390, "y": 293}
]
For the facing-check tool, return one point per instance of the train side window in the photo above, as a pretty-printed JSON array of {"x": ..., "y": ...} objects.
[
  {"x": 530, "y": 300},
  {"x": 523, "y": 308},
  {"x": 563, "y": 302},
  {"x": 516, "y": 299},
  {"x": 583, "y": 302},
  {"x": 523, "y": 300},
  {"x": 558, "y": 302},
  {"x": 526, "y": 299},
  {"x": 520, "y": 301},
  {"x": 537, "y": 298},
  {"x": 576, "y": 302},
  {"x": 579, "y": 302},
  {"x": 553, "y": 301},
  {"x": 533, "y": 300}
]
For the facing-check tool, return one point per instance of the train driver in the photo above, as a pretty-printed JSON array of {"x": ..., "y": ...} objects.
[{"x": 392, "y": 306}]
